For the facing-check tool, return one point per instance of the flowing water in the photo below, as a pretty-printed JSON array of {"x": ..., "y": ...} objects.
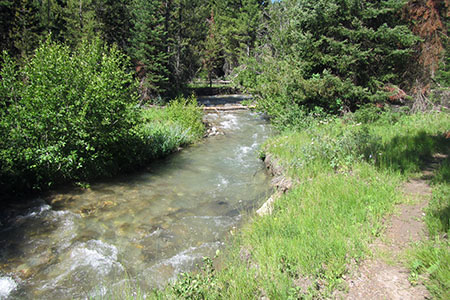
[{"x": 146, "y": 227}]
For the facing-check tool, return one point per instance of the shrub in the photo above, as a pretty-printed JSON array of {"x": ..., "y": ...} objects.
[
  {"x": 73, "y": 115},
  {"x": 185, "y": 112},
  {"x": 65, "y": 115}
]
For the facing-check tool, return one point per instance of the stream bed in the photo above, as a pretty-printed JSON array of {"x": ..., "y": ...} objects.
[{"x": 145, "y": 228}]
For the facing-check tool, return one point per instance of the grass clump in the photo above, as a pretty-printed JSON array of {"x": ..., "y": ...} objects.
[{"x": 164, "y": 129}]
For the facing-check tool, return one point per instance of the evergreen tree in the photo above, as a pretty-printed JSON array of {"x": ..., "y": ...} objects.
[
  {"x": 25, "y": 31},
  {"x": 51, "y": 15},
  {"x": 25, "y": 23},
  {"x": 6, "y": 24},
  {"x": 80, "y": 21},
  {"x": 114, "y": 18},
  {"x": 148, "y": 46},
  {"x": 212, "y": 50},
  {"x": 238, "y": 22},
  {"x": 333, "y": 54},
  {"x": 188, "y": 30}
]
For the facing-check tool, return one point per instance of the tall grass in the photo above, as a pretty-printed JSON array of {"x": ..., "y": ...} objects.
[{"x": 166, "y": 129}]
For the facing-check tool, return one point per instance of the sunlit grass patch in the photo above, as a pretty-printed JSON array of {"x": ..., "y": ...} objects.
[
  {"x": 402, "y": 144},
  {"x": 318, "y": 228}
]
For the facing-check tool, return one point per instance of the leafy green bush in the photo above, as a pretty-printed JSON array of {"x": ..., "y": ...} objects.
[
  {"x": 72, "y": 115},
  {"x": 67, "y": 115}
]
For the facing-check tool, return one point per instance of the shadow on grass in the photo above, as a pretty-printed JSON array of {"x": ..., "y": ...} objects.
[
  {"x": 413, "y": 153},
  {"x": 444, "y": 217},
  {"x": 429, "y": 154}
]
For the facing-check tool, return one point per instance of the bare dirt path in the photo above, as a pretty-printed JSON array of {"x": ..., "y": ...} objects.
[{"x": 383, "y": 276}]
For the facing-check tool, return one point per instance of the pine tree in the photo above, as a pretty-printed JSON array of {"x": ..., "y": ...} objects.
[
  {"x": 238, "y": 22},
  {"x": 331, "y": 54},
  {"x": 6, "y": 24},
  {"x": 80, "y": 21},
  {"x": 114, "y": 18},
  {"x": 25, "y": 31},
  {"x": 212, "y": 50},
  {"x": 188, "y": 29},
  {"x": 148, "y": 46}
]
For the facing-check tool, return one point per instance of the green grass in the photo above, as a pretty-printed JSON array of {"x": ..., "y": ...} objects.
[
  {"x": 164, "y": 129},
  {"x": 401, "y": 144},
  {"x": 429, "y": 260}
]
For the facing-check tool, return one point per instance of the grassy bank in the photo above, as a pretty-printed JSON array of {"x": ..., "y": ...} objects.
[
  {"x": 164, "y": 129},
  {"x": 348, "y": 172}
]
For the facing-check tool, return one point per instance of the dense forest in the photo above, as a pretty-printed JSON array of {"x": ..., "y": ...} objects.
[
  {"x": 169, "y": 42},
  {"x": 360, "y": 47},
  {"x": 74, "y": 71}
]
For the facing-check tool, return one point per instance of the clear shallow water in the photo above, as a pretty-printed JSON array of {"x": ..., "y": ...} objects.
[{"x": 147, "y": 227}]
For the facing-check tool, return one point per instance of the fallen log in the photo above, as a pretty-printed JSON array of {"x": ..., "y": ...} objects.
[{"x": 227, "y": 108}]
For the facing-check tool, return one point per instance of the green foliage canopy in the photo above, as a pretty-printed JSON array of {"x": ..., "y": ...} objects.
[{"x": 334, "y": 54}]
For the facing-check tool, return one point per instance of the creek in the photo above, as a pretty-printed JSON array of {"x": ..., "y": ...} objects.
[{"x": 143, "y": 228}]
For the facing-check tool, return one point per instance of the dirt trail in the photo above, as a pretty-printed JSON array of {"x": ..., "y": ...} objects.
[{"x": 383, "y": 276}]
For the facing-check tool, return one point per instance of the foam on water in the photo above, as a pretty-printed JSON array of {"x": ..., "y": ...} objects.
[
  {"x": 7, "y": 285},
  {"x": 185, "y": 259},
  {"x": 88, "y": 260},
  {"x": 35, "y": 212},
  {"x": 219, "y": 221},
  {"x": 231, "y": 122},
  {"x": 95, "y": 254},
  {"x": 245, "y": 149}
]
